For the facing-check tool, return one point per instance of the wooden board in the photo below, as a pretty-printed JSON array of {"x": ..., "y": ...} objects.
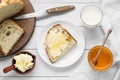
[{"x": 28, "y": 25}]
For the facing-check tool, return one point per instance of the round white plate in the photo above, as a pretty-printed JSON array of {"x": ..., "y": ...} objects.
[{"x": 73, "y": 55}]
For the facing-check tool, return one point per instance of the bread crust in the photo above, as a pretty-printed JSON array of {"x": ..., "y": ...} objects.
[
  {"x": 15, "y": 1},
  {"x": 18, "y": 26},
  {"x": 8, "y": 2},
  {"x": 1, "y": 51},
  {"x": 49, "y": 55},
  {"x": 46, "y": 48}
]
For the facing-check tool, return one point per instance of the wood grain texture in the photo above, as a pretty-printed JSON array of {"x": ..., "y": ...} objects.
[{"x": 28, "y": 25}]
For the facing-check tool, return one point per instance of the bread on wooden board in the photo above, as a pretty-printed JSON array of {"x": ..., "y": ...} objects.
[
  {"x": 58, "y": 42},
  {"x": 9, "y": 8},
  {"x": 10, "y": 33}
]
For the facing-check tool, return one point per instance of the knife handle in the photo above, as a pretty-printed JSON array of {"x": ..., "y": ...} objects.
[{"x": 60, "y": 9}]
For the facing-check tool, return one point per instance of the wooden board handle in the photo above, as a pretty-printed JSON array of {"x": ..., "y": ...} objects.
[
  {"x": 7, "y": 69},
  {"x": 60, "y": 9}
]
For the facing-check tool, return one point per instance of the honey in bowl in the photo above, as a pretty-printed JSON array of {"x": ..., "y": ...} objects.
[{"x": 104, "y": 60}]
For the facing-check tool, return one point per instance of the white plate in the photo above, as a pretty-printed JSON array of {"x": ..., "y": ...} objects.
[{"x": 71, "y": 56}]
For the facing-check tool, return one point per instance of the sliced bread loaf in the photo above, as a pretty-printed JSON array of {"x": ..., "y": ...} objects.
[
  {"x": 9, "y": 8},
  {"x": 8, "y": 2},
  {"x": 58, "y": 42},
  {"x": 10, "y": 33}
]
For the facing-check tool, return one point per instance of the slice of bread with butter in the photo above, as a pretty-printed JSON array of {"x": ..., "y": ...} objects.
[{"x": 58, "y": 41}]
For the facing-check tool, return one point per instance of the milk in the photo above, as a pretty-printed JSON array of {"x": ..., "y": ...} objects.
[{"x": 91, "y": 16}]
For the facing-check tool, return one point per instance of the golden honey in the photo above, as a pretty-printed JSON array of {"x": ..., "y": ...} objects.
[{"x": 104, "y": 61}]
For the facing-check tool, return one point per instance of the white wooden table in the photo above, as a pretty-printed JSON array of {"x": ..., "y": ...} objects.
[{"x": 43, "y": 71}]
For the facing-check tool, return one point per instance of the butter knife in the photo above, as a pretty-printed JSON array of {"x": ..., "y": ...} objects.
[{"x": 47, "y": 12}]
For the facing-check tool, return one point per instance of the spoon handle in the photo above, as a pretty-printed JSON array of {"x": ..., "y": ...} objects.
[
  {"x": 108, "y": 33},
  {"x": 7, "y": 69}
]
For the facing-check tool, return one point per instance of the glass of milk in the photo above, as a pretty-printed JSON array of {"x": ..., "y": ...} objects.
[{"x": 91, "y": 16}]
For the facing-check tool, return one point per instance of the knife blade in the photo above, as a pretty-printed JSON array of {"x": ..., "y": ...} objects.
[{"x": 47, "y": 12}]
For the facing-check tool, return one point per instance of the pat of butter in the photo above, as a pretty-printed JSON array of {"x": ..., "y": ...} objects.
[{"x": 23, "y": 62}]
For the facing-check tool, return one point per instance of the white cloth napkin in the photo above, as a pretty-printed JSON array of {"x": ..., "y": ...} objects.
[{"x": 111, "y": 18}]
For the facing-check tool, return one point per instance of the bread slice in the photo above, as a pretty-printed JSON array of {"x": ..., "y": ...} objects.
[
  {"x": 10, "y": 33},
  {"x": 9, "y": 8},
  {"x": 8, "y": 2},
  {"x": 58, "y": 42}
]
